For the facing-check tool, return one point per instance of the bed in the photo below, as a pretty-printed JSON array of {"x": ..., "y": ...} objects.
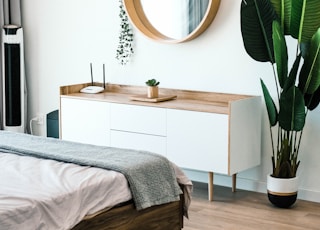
[{"x": 72, "y": 192}]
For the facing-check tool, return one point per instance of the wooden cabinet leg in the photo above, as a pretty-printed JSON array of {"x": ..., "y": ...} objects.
[
  {"x": 234, "y": 182},
  {"x": 210, "y": 186}
]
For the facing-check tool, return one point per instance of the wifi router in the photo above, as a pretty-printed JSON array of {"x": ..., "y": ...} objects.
[{"x": 92, "y": 88}]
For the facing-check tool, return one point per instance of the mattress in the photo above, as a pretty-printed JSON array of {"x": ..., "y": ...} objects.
[
  {"x": 150, "y": 176},
  {"x": 47, "y": 194}
]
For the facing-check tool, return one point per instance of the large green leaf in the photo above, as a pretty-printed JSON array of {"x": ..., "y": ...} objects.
[
  {"x": 283, "y": 9},
  {"x": 270, "y": 105},
  {"x": 291, "y": 80},
  {"x": 309, "y": 79},
  {"x": 256, "y": 29},
  {"x": 305, "y": 19},
  {"x": 304, "y": 48},
  {"x": 292, "y": 110},
  {"x": 312, "y": 100},
  {"x": 280, "y": 52}
]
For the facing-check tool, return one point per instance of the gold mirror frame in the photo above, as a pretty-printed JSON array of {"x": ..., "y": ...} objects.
[{"x": 139, "y": 20}]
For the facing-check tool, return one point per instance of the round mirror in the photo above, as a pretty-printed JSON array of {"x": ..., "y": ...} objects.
[{"x": 171, "y": 21}]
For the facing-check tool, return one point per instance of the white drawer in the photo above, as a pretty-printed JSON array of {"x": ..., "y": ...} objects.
[
  {"x": 156, "y": 144},
  {"x": 138, "y": 119}
]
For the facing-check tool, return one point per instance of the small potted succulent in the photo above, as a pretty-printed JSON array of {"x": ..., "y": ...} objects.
[{"x": 152, "y": 90}]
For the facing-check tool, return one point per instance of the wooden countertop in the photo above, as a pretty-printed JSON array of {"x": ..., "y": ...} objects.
[{"x": 186, "y": 99}]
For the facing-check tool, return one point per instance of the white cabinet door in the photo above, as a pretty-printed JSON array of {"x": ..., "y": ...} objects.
[
  {"x": 198, "y": 140},
  {"x": 85, "y": 121}
]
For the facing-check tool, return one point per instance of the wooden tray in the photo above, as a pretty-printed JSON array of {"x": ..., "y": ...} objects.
[{"x": 157, "y": 99}]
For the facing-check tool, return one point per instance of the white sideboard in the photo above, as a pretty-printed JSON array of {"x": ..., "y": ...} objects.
[{"x": 205, "y": 131}]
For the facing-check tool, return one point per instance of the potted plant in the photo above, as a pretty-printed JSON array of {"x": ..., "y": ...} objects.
[
  {"x": 266, "y": 26},
  {"x": 152, "y": 90}
]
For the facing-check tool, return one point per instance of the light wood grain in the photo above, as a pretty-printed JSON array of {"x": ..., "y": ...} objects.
[
  {"x": 247, "y": 210},
  {"x": 210, "y": 186},
  {"x": 160, "y": 98},
  {"x": 200, "y": 101}
]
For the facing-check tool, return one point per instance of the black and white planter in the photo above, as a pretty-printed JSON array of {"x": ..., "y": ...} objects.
[{"x": 282, "y": 192}]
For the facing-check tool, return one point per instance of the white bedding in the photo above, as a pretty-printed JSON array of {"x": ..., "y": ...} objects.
[{"x": 46, "y": 194}]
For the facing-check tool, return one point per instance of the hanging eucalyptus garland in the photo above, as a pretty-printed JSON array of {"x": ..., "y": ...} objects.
[{"x": 125, "y": 46}]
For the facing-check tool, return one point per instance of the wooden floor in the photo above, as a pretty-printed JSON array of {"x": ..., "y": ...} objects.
[{"x": 247, "y": 210}]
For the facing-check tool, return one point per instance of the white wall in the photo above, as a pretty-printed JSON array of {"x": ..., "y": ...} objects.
[{"x": 63, "y": 37}]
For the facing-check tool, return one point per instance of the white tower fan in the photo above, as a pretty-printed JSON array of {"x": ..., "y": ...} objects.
[{"x": 13, "y": 79}]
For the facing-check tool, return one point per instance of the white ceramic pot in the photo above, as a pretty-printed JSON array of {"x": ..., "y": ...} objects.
[{"x": 282, "y": 192}]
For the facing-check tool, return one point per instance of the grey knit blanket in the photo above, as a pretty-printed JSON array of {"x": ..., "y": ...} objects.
[{"x": 151, "y": 177}]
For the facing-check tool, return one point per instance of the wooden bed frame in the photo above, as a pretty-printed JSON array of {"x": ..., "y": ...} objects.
[{"x": 126, "y": 217}]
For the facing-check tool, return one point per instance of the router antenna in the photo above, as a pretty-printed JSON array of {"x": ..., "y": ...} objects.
[
  {"x": 92, "y": 88},
  {"x": 104, "y": 77},
  {"x": 91, "y": 74}
]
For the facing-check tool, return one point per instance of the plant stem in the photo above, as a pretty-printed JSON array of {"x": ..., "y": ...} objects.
[
  {"x": 276, "y": 81},
  {"x": 300, "y": 137},
  {"x": 279, "y": 138},
  {"x": 272, "y": 144}
]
